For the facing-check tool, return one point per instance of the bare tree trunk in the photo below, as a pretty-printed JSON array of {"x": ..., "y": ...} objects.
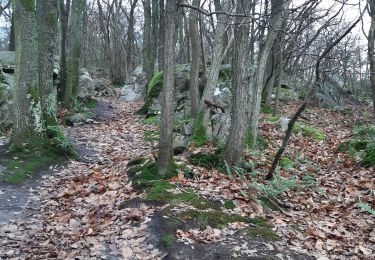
[
  {"x": 47, "y": 31},
  {"x": 165, "y": 158},
  {"x": 194, "y": 72},
  {"x": 72, "y": 80},
  {"x": 147, "y": 51},
  {"x": 155, "y": 32},
  {"x": 64, "y": 10},
  {"x": 28, "y": 127},
  {"x": 130, "y": 42},
  {"x": 161, "y": 34},
  {"x": 277, "y": 17},
  {"x": 234, "y": 146},
  {"x": 371, "y": 48},
  {"x": 213, "y": 75}
]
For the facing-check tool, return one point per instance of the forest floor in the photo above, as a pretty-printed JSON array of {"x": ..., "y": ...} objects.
[{"x": 90, "y": 209}]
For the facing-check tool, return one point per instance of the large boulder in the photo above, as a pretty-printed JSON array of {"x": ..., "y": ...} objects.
[
  {"x": 135, "y": 90},
  {"x": 86, "y": 89},
  {"x": 7, "y": 60},
  {"x": 6, "y": 99}
]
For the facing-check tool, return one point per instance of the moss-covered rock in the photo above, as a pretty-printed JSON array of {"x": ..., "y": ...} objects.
[
  {"x": 309, "y": 131},
  {"x": 208, "y": 160}
]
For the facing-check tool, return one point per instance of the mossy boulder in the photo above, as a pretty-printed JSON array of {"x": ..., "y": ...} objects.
[
  {"x": 309, "y": 131},
  {"x": 208, "y": 160}
]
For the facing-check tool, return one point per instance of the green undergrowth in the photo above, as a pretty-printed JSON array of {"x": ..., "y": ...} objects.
[
  {"x": 144, "y": 173},
  {"x": 208, "y": 160},
  {"x": 154, "y": 89},
  {"x": 22, "y": 165},
  {"x": 199, "y": 136},
  {"x": 309, "y": 131},
  {"x": 362, "y": 145},
  {"x": 261, "y": 144},
  {"x": 266, "y": 109},
  {"x": 151, "y": 120},
  {"x": 151, "y": 136}
]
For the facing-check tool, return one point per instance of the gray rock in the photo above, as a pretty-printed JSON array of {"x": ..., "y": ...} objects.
[
  {"x": 79, "y": 118},
  {"x": 7, "y": 59},
  {"x": 6, "y": 99}
]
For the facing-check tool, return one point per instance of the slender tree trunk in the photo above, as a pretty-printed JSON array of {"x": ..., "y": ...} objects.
[
  {"x": 64, "y": 10},
  {"x": 234, "y": 146},
  {"x": 72, "y": 80},
  {"x": 28, "y": 127},
  {"x": 130, "y": 42},
  {"x": 371, "y": 48},
  {"x": 277, "y": 18},
  {"x": 161, "y": 34},
  {"x": 194, "y": 72},
  {"x": 147, "y": 50},
  {"x": 165, "y": 158},
  {"x": 155, "y": 32},
  {"x": 213, "y": 75},
  {"x": 47, "y": 31}
]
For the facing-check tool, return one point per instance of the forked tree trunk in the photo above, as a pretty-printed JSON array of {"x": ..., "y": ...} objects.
[
  {"x": 28, "y": 127},
  {"x": 234, "y": 146},
  {"x": 47, "y": 31},
  {"x": 165, "y": 158},
  {"x": 195, "y": 51}
]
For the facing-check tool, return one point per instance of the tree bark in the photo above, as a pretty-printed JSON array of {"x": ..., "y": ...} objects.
[
  {"x": 277, "y": 18},
  {"x": 371, "y": 48},
  {"x": 72, "y": 80},
  {"x": 147, "y": 51},
  {"x": 47, "y": 31},
  {"x": 165, "y": 158},
  {"x": 195, "y": 48},
  {"x": 162, "y": 34},
  {"x": 28, "y": 127},
  {"x": 64, "y": 10},
  {"x": 234, "y": 146}
]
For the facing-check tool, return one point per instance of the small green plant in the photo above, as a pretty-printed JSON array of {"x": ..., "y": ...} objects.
[
  {"x": 151, "y": 136},
  {"x": 309, "y": 180},
  {"x": 366, "y": 207},
  {"x": 229, "y": 204},
  {"x": 286, "y": 163},
  {"x": 276, "y": 186},
  {"x": 167, "y": 240}
]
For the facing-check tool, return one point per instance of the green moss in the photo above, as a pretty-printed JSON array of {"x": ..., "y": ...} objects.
[
  {"x": 266, "y": 109},
  {"x": 208, "y": 160},
  {"x": 137, "y": 161},
  {"x": 151, "y": 120},
  {"x": 266, "y": 233},
  {"x": 59, "y": 143},
  {"x": 286, "y": 163},
  {"x": 369, "y": 158},
  {"x": 167, "y": 240},
  {"x": 272, "y": 119},
  {"x": 151, "y": 136},
  {"x": 22, "y": 165},
  {"x": 155, "y": 86},
  {"x": 213, "y": 218},
  {"x": 229, "y": 204},
  {"x": 91, "y": 103},
  {"x": 310, "y": 131},
  {"x": 29, "y": 5},
  {"x": 149, "y": 175},
  {"x": 199, "y": 136}
]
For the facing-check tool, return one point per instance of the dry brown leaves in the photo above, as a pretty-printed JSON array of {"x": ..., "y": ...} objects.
[{"x": 79, "y": 214}]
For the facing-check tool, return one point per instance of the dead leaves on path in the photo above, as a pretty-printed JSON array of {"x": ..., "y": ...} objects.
[{"x": 79, "y": 213}]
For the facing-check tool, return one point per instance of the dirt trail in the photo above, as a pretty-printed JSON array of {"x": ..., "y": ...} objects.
[{"x": 75, "y": 212}]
